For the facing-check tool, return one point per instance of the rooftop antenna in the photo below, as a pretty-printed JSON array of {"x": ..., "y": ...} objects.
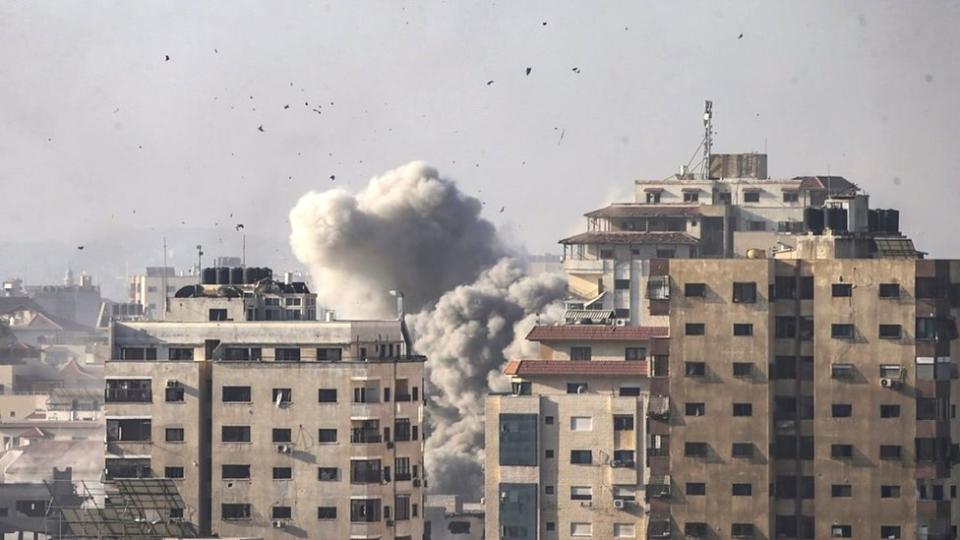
[
  {"x": 199, "y": 262},
  {"x": 163, "y": 280},
  {"x": 707, "y": 138},
  {"x": 243, "y": 250}
]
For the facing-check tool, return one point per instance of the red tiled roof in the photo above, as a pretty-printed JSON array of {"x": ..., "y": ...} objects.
[
  {"x": 835, "y": 184},
  {"x": 637, "y": 368},
  {"x": 598, "y": 332},
  {"x": 644, "y": 210},
  {"x": 630, "y": 237}
]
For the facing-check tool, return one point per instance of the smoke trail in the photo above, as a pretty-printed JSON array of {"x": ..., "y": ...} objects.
[
  {"x": 413, "y": 230},
  {"x": 408, "y": 229}
]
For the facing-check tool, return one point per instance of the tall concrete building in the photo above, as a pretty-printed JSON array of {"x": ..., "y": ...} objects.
[
  {"x": 783, "y": 382},
  {"x": 273, "y": 428}
]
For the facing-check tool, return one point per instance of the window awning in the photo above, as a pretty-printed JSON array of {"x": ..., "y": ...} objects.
[
  {"x": 691, "y": 190},
  {"x": 653, "y": 189},
  {"x": 752, "y": 190}
]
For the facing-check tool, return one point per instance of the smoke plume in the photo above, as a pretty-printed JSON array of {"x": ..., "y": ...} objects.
[
  {"x": 408, "y": 229},
  {"x": 412, "y": 230}
]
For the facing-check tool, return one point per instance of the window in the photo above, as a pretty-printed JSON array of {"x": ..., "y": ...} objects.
[
  {"x": 629, "y": 391},
  {"x": 840, "y": 290},
  {"x": 624, "y": 530},
  {"x": 401, "y": 429},
  {"x": 622, "y": 422},
  {"x": 180, "y": 353},
  {"x": 236, "y": 394},
  {"x": 580, "y": 353},
  {"x": 364, "y": 510},
  {"x": 695, "y": 529},
  {"x": 694, "y": 329},
  {"x": 889, "y": 411},
  {"x": 742, "y": 329},
  {"x": 218, "y": 314},
  {"x": 724, "y": 197},
  {"x": 889, "y": 451},
  {"x": 756, "y": 225},
  {"x": 742, "y": 530},
  {"x": 280, "y": 512},
  {"x": 287, "y": 354},
  {"x": 551, "y": 526},
  {"x": 743, "y": 409},
  {"x": 635, "y": 353},
  {"x": 174, "y": 434},
  {"x": 282, "y": 473},
  {"x": 742, "y": 369},
  {"x": 841, "y": 451},
  {"x": 581, "y": 457},
  {"x": 401, "y": 507},
  {"x": 841, "y": 331},
  {"x": 281, "y": 396},
  {"x": 927, "y": 408},
  {"x": 327, "y": 395},
  {"x": 621, "y": 284},
  {"x": 926, "y": 328},
  {"x": 326, "y": 512},
  {"x": 694, "y": 290},
  {"x": 841, "y": 531},
  {"x": 742, "y": 450},
  {"x": 696, "y": 409},
  {"x": 927, "y": 287},
  {"x": 173, "y": 472},
  {"x": 889, "y": 492},
  {"x": 401, "y": 467},
  {"x": 548, "y": 420},
  {"x": 889, "y": 531},
  {"x": 548, "y": 490},
  {"x": 581, "y": 493},
  {"x": 548, "y": 454},
  {"x": 586, "y": 529},
  {"x": 235, "y": 472},
  {"x": 696, "y": 488},
  {"x": 695, "y": 449},
  {"x": 326, "y": 354},
  {"x": 235, "y": 511},
  {"x": 744, "y": 292},
  {"x": 791, "y": 196},
  {"x": 889, "y": 290},
  {"x": 785, "y": 367},
  {"x": 327, "y": 435},
  {"x": 742, "y": 490},
  {"x": 606, "y": 253},
  {"x": 841, "y": 490},
  {"x": 889, "y": 331},
  {"x": 842, "y": 410},
  {"x": 332, "y": 474},
  {"x": 695, "y": 369},
  {"x": 625, "y": 492},
  {"x": 841, "y": 371},
  {"x": 173, "y": 393},
  {"x": 577, "y": 388},
  {"x": 691, "y": 197},
  {"x": 522, "y": 388},
  {"x": 129, "y": 430},
  {"x": 751, "y": 196},
  {"x": 235, "y": 434},
  {"x": 138, "y": 353},
  {"x": 653, "y": 197},
  {"x": 282, "y": 435}
]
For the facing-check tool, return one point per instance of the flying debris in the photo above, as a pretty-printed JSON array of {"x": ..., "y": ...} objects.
[
  {"x": 576, "y": 70},
  {"x": 740, "y": 36},
  {"x": 239, "y": 226},
  {"x": 544, "y": 23},
  {"x": 529, "y": 69},
  {"x": 562, "y": 133},
  {"x": 166, "y": 58},
  {"x": 80, "y": 248},
  {"x": 333, "y": 177},
  {"x": 502, "y": 208},
  {"x": 215, "y": 51},
  {"x": 286, "y": 106},
  {"x": 489, "y": 83},
  {"x": 260, "y": 128}
]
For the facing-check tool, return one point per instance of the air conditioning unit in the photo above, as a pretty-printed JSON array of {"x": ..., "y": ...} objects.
[
  {"x": 416, "y": 482},
  {"x": 389, "y": 444},
  {"x": 616, "y": 463},
  {"x": 279, "y": 524},
  {"x": 887, "y": 382},
  {"x": 284, "y": 448},
  {"x": 388, "y": 523},
  {"x": 173, "y": 383},
  {"x": 621, "y": 322},
  {"x": 619, "y": 503}
]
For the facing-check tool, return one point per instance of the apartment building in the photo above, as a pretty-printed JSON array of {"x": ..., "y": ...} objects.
[
  {"x": 565, "y": 450},
  {"x": 270, "y": 428}
]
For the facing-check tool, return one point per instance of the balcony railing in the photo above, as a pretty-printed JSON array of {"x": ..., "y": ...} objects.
[{"x": 359, "y": 436}]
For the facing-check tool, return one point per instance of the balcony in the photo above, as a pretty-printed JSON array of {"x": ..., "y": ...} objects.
[
  {"x": 365, "y": 436},
  {"x": 124, "y": 395}
]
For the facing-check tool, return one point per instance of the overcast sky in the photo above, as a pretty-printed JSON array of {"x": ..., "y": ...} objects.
[{"x": 100, "y": 133}]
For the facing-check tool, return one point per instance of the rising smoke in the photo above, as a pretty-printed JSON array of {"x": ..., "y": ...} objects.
[{"x": 413, "y": 230}]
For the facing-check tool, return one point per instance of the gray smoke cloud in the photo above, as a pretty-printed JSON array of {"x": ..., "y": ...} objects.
[
  {"x": 408, "y": 229},
  {"x": 412, "y": 230}
]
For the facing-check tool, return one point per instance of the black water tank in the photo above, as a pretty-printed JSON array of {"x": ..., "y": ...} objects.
[
  {"x": 813, "y": 219},
  {"x": 891, "y": 222},
  {"x": 236, "y": 276},
  {"x": 249, "y": 275},
  {"x": 873, "y": 220},
  {"x": 837, "y": 219},
  {"x": 223, "y": 275},
  {"x": 209, "y": 276}
]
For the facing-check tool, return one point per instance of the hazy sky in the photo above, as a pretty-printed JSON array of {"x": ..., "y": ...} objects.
[{"x": 100, "y": 132}]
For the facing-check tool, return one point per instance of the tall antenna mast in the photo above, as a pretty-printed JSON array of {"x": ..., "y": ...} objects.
[
  {"x": 163, "y": 303},
  {"x": 707, "y": 138}
]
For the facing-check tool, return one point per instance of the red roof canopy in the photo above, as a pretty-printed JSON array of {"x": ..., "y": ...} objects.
[
  {"x": 631, "y": 368},
  {"x": 599, "y": 332}
]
